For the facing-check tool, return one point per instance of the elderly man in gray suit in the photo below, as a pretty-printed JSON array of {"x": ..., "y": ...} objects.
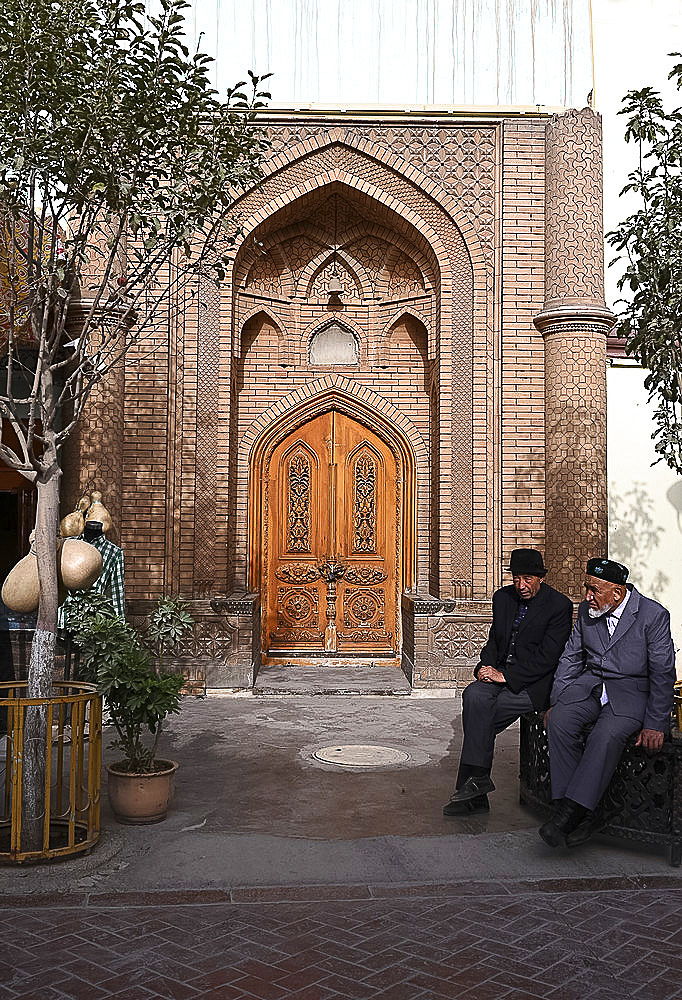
[{"x": 615, "y": 677}]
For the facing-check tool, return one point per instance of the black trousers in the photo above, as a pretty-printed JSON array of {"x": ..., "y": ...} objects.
[{"x": 487, "y": 709}]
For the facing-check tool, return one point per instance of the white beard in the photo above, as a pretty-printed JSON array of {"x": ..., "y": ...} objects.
[{"x": 598, "y": 612}]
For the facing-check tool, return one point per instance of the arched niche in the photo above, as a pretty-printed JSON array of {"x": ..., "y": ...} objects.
[
  {"x": 261, "y": 322},
  {"x": 405, "y": 341},
  {"x": 335, "y": 346}
]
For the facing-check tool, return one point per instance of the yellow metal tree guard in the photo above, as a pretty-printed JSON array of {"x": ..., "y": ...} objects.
[{"x": 73, "y": 761}]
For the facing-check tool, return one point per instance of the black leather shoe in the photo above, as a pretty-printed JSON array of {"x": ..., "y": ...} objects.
[
  {"x": 478, "y": 805},
  {"x": 566, "y": 818},
  {"x": 588, "y": 826},
  {"x": 474, "y": 787}
]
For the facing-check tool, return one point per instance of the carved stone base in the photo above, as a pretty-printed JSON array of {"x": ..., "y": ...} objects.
[
  {"x": 224, "y": 648},
  {"x": 442, "y": 640}
]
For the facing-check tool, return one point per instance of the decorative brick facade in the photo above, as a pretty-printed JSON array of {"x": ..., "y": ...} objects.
[{"x": 434, "y": 226}]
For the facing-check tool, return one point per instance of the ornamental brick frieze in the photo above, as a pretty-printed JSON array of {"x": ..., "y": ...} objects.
[
  {"x": 205, "y": 475},
  {"x": 462, "y": 160},
  {"x": 575, "y": 456},
  {"x": 216, "y": 639},
  {"x": 454, "y": 640},
  {"x": 222, "y": 649}
]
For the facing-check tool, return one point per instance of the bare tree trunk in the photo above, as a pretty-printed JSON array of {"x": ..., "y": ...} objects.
[{"x": 42, "y": 661}]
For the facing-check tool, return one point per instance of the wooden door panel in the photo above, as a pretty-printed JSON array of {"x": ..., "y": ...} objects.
[
  {"x": 298, "y": 530},
  {"x": 367, "y": 533},
  {"x": 332, "y": 497}
]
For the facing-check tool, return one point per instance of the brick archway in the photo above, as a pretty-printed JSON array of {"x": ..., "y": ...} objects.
[
  {"x": 400, "y": 511},
  {"x": 346, "y": 396},
  {"x": 460, "y": 325}
]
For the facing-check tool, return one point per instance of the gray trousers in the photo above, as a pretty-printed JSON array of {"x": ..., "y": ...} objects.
[
  {"x": 586, "y": 741},
  {"x": 487, "y": 709}
]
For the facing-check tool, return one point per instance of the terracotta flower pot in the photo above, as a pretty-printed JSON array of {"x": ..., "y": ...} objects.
[{"x": 141, "y": 798}]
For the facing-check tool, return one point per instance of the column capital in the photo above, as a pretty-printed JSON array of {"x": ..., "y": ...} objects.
[{"x": 575, "y": 319}]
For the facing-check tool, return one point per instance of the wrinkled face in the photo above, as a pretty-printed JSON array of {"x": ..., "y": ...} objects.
[
  {"x": 527, "y": 585},
  {"x": 602, "y": 596}
]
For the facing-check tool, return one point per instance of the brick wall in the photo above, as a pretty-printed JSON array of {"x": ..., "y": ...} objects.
[
  {"x": 435, "y": 227},
  {"x": 522, "y": 388}
]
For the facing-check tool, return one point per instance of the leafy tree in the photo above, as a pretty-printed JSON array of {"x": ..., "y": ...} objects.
[
  {"x": 117, "y": 163},
  {"x": 651, "y": 316}
]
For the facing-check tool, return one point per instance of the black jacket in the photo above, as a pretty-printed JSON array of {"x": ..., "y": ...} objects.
[{"x": 541, "y": 638}]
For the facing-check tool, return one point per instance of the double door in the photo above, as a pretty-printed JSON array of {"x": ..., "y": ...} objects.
[{"x": 332, "y": 554}]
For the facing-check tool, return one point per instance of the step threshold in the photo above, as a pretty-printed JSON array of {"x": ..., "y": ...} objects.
[{"x": 337, "y": 676}]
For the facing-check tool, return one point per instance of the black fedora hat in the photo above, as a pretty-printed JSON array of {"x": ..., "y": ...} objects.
[{"x": 527, "y": 562}]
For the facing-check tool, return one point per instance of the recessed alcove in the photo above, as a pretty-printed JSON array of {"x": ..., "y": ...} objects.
[{"x": 334, "y": 345}]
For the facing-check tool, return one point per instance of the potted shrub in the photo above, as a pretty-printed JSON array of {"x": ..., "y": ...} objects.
[{"x": 127, "y": 667}]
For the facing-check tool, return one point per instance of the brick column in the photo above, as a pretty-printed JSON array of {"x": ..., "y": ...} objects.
[{"x": 574, "y": 322}]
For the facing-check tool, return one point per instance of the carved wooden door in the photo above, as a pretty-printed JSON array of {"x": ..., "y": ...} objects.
[{"x": 332, "y": 553}]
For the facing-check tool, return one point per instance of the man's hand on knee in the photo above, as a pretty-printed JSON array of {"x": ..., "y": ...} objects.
[
  {"x": 545, "y": 717},
  {"x": 491, "y": 676},
  {"x": 650, "y": 739}
]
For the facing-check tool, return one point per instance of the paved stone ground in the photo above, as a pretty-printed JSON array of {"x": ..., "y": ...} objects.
[
  {"x": 278, "y": 877},
  {"x": 416, "y": 943}
]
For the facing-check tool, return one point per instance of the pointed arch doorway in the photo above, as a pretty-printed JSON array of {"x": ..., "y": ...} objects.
[{"x": 330, "y": 553}]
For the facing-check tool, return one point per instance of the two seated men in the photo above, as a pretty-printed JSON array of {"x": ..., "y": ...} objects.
[{"x": 613, "y": 677}]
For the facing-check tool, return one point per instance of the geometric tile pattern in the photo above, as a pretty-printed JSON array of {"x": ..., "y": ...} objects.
[
  {"x": 477, "y": 941},
  {"x": 461, "y": 160},
  {"x": 575, "y": 348},
  {"x": 575, "y": 387},
  {"x": 206, "y": 474},
  {"x": 574, "y": 258}
]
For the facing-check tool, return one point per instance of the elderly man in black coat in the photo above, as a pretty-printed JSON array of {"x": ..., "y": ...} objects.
[{"x": 531, "y": 624}]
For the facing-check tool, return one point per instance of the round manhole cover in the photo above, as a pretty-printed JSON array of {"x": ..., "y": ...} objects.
[{"x": 361, "y": 755}]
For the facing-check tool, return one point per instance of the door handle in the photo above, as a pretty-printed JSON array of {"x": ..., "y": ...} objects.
[{"x": 331, "y": 568}]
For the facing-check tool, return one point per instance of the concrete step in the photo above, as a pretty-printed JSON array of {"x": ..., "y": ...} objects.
[{"x": 331, "y": 677}]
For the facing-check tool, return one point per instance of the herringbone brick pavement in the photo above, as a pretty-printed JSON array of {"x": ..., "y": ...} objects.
[{"x": 475, "y": 942}]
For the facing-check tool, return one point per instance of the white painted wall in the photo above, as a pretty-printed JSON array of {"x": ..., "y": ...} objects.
[
  {"x": 631, "y": 41},
  {"x": 645, "y": 502},
  {"x": 404, "y": 52}
]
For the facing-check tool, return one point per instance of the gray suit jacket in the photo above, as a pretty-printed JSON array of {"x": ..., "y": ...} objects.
[{"x": 637, "y": 663}]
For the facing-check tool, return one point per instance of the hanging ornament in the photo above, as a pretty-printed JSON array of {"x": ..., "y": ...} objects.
[
  {"x": 21, "y": 589},
  {"x": 80, "y": 564},
  {"x": 72, "y": 525},
  {"x": 98, "y": 512}
]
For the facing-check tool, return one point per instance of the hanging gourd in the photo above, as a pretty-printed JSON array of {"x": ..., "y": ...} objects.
[
  {"x": 98, "y": 512},
  {"x": 79, "y": 563},
  {"x": 21, "y": 589},
  {"x": 72, "y": 525}
]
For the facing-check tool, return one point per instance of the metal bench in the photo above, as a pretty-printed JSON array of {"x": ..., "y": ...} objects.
[{"x": 643, "y": 801}]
